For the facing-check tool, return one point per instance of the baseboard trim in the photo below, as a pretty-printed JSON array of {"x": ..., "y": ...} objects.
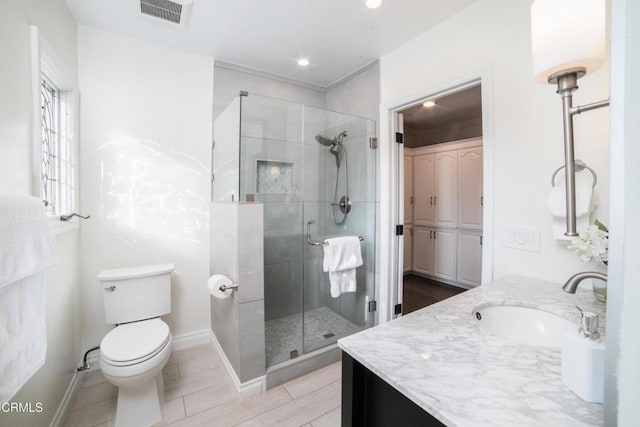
[
  {"x": 60, "y": 417},
  {"x": 244, "y": 389},
  {"x": 191, "y": 339}
]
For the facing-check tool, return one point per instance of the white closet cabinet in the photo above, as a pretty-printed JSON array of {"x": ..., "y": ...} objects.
[
  {"x": 446, "y": 189},
  {"x": 469, "y": 257},
  {"x": 444, "y": 248},
  {"x": 423, "y": 256},
  {"x": 470, "y": 188},
  {"x": 423, "y": 173},
  {"x": 408, "y": 189},
  {"x": 447, "y": 212},
  {"x": 408, "y": 249}
]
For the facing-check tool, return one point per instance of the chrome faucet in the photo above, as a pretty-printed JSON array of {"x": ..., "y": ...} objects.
[{"x": 574, "y": 281}]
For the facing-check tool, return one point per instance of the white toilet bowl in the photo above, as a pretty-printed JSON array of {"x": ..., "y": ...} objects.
[{"x": 132, "y": 356}]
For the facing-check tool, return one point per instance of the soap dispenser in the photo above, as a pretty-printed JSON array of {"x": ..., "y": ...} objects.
[{"x": 583, "y": 360}]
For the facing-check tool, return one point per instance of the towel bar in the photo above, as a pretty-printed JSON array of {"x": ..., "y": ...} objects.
[
  {"x": 316, "y": 243},
  {"x": 580, "y": 166},
  {"x": 69, "y": 216}
]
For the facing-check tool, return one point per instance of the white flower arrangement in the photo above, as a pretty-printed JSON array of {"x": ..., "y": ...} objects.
[{"x": 592, "y": 244}]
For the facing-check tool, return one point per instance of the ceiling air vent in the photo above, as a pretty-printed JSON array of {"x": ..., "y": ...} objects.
[{"x": 175, "y": 12}]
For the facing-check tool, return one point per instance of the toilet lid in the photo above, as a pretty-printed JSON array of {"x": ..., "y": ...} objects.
[{"x": 135, "y": 340}]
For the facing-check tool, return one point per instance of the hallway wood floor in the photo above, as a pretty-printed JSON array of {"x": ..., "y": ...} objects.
[{"x": 420, "y": 292}]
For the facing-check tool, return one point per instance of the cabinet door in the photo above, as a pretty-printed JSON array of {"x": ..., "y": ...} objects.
[
  {"x": 423, "y": 250},
  {"x": 470, "y": 188},
  {"x": 469, "y": 257},
  {"x": 408, "y": 189},
  {"x": 423, "y": 172},
  {"x": 446, "y": 189},
  {"x": 445, "y": 242},
  {"x": 408, "y": 249}
]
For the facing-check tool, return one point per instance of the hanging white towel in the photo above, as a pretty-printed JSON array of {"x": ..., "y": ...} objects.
[
  {"x": 27, "y": 248},
  {"x": 586, "y": 202},
  {"x": 341, "y": 258}
]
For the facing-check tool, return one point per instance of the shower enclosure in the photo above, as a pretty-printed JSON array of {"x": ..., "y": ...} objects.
[{"x": 314, "y": 173}]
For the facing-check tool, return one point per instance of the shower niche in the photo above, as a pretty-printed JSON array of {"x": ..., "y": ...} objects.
[{"x": 299, "y": 164}]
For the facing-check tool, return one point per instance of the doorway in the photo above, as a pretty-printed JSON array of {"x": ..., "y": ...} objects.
[{"x": 443, "y": 197}]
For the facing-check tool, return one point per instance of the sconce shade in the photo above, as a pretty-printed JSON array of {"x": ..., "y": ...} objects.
[{"x": 567, "y": 35}]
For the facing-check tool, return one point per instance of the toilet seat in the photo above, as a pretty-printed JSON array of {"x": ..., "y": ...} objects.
[{"x": 134, "y": 343}]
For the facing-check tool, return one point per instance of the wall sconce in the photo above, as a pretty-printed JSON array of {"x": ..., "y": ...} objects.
[{"x": 568, "y": 41}]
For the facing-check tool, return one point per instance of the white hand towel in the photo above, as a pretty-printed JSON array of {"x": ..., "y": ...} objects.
[
  {"x": 586, "y": 200},
  {"x": 341, "y": 258},
  {"x": 27, "y": 247}
]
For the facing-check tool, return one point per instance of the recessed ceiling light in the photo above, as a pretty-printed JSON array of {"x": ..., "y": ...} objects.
[
  {"x": 373, "y": 4},
  {"x": 429, "y": 104},
  {"x": 303, "y": 62}
]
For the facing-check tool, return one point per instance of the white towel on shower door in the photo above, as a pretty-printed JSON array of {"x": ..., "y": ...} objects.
[{"x": 341, "y": 258}]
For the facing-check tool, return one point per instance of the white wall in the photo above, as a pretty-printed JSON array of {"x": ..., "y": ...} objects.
[
  {"x": 622, "y": 390},
  {"x": 493, "y": 37},
  {"x": 358, "y": 95},
  {"x": 231, "y": 79},
  {"x": 57, "y": 27},
  {"x": 146, "y": 122}
]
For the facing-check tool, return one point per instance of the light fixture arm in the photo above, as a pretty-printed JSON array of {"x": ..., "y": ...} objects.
[{"x": 567, "y": 84}]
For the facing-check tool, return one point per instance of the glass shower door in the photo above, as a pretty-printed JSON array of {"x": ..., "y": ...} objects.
[{"x": 339, "y": 199}]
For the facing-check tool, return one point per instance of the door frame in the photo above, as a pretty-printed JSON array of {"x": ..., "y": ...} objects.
[{"x": 392, "y": 185}]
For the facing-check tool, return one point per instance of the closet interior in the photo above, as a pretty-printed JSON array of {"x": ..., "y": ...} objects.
[{"x": 443, "y": 198}]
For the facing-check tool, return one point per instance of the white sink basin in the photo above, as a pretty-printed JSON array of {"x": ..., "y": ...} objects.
[{"x": 525, "y": 325}]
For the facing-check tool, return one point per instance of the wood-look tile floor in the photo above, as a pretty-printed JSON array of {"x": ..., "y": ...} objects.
[{"x": 199, "y": 392}]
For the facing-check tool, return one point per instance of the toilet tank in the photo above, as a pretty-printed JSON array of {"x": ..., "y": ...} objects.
[{"x": 136, "y": 293}]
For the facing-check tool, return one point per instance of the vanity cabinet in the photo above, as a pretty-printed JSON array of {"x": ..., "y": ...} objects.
[{"x": 369, "y": 401}]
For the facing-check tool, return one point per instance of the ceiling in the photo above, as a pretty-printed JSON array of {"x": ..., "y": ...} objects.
[
  {"x": 338, "y": 36},
  {"x": 455, "y": 108}
]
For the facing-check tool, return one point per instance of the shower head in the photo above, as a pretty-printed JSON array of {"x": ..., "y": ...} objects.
[
  {"x": 335, "y": 144},
  {"x": 331, "y": 142},
  {"x": 324, "y": 140}
]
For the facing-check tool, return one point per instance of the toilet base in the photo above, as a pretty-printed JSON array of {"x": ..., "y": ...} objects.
[{"x": 140, "y": 405}]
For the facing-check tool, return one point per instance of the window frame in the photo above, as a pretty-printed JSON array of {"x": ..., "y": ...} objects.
[{"x": 45, "y": 65}]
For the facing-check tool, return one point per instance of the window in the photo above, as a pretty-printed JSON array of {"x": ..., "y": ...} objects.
[
  {"x": 57, "y": 166},
  {"x": 54, "y": 152}
]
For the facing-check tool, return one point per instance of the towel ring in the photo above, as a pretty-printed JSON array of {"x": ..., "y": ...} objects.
[{"x": 580, "y": 166}]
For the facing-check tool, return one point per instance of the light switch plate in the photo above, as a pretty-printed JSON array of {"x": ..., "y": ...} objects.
[{"x": 526, "y": 239}]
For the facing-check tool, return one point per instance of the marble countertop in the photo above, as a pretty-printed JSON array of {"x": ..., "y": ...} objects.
[{"x": 440, "y": 359}]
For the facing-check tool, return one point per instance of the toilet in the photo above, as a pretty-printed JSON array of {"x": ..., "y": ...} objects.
[{"x": 133, "y": 353}]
